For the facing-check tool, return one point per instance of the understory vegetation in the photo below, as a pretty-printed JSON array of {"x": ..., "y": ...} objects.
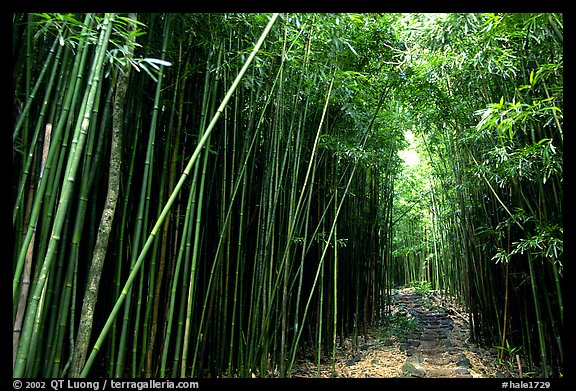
[{"x": 201, "y": 195}]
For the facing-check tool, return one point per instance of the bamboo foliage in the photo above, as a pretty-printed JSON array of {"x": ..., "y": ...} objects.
[
  {"x": 497, "y": 165},
  {"x": 257, "y": 211}
]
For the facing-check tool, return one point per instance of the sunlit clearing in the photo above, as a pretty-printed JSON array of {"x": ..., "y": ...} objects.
[{"x": 409, "y": 155}]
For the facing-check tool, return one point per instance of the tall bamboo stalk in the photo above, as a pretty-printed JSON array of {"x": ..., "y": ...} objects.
[
  {"x": 80, "y": 135},
  {"x": 172, "y": 198}
]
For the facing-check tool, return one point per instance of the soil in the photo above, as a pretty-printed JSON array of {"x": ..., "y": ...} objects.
[{"x": 437, "y": 347}]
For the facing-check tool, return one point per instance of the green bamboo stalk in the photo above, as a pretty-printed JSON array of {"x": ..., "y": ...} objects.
[
  {"x": 157, "y": 258},
  {"x": 43, "y": 342},
  {"x": 183, "y": 315},
  {"x": 70, "y": 98},
  {"x": 74, "y": 160},
  {"x": 121, "y": 235},
  {"x": 171, "y": 200},
  {"x": 221, "y": 244},
  {"x": 320, "y": 318},
  {"x": 65, "y": 306},
  {"x": 179, "y": 250},
  {"x": 28, "y": 265},
  {"x": 138, "y": 240},
  {"x": 539, "y": 322},
  {"x": 138, "y": 226},
  {"x": 138, "y": 365},
  {"x": 244, "y": 169},
  {"x": 175, "y": 283},
  {"x": 91, "y": 165},
  {"x": 308, "y": 202},
  {"x": 191, "y": 289},
  {"x": 160, "y": 269},
  {"x": 33, "y": 146},
  {"x": 335, "y": 287},
  {"x": 100, "y": 249},
  {"x": 20, "y": 220},
  {"x": 321, "y": 261},
  {"x": 29, "y": 49},
  {"x": 236, "y": 304},
  {"x": 32, "y": 96}
]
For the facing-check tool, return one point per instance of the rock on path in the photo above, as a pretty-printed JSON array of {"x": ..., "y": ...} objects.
[
  {"x": 430, "y": 352},
  {"x": 440, "y": 348}
]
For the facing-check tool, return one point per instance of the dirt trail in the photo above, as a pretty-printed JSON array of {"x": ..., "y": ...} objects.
[
  {"x": 437, "y": 347},
  {"x": 434, "y": 351}
]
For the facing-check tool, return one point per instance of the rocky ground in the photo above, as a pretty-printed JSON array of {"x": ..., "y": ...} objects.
[{"x": 428, "y": 339}]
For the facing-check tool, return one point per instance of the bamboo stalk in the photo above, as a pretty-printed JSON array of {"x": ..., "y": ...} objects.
[
  {"x": 82, "y": 127},
  {"x": 71, "y": 94},
  {"x": 28, "y": 264},
  {"x": 100, "y": 249},
  {"x": 26, "y": 109},
  {"x": 171, "y": 200}
]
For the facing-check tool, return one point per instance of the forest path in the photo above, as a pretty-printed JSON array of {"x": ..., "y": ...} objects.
[
  {"x": 439, "y": 347},
  {"x": 426, "y": 336}
]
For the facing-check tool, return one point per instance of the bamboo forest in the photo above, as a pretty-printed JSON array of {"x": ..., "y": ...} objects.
[{"x": 287, "y": 195}]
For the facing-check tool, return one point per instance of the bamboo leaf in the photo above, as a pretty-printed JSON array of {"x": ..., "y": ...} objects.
[
  {"x": 154, "y": 61},
  {"x": 145, "y": 68}
]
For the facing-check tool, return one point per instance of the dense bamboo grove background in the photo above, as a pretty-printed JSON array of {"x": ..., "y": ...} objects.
[{"x": 296, "y": 214}]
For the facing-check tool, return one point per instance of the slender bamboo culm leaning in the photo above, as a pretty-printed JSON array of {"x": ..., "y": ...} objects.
[{"x": 172, "y": 198}]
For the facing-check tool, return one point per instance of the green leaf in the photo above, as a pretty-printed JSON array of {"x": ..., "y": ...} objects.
[
  {"x": 153, "y": 61},
  {"x": 351, "y": 48},
  {"x": 148, "y": 72},
  {"x": 130, "y": 20}
]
